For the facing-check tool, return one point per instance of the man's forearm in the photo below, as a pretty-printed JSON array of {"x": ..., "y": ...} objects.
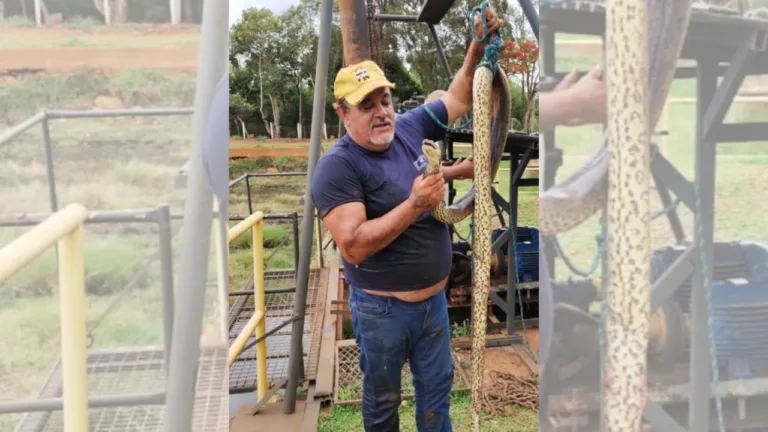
[
  {"x": 376, "y": 234},
  {"x": 461, "y": 86},
  {"x": 449, "y": 173}
]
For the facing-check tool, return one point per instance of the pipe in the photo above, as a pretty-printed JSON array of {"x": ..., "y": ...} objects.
[{"x": 296, "y": 362}]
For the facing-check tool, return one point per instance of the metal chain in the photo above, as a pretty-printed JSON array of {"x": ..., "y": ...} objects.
[{"x": 374, "y": 30}]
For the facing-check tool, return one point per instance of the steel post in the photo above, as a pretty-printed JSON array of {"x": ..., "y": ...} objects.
[
  {"x": 166, "y": 275},
  {"x": 305, "y": 252},
  {"x": 198, "y": 214}
]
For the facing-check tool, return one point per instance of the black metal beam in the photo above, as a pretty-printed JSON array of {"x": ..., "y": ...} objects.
[{"x": 433, "y": 11}]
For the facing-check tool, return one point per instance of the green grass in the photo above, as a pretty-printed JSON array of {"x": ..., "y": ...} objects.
[
  {"x": 348, "y": 419},
  {"x": 103, "y": 164}
]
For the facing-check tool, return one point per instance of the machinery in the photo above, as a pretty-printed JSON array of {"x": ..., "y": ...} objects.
[
  {"x": 526, "y": 257},
  {"x": 739, "y": 319}
]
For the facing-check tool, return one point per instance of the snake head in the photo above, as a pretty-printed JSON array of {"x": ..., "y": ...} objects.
[{"x": 430, "y": 149}]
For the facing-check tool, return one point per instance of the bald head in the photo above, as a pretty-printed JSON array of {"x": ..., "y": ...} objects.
[{"x": 435, "y": 95}]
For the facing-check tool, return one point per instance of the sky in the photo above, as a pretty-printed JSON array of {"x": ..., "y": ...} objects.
[{"x": 236, "y": 7}]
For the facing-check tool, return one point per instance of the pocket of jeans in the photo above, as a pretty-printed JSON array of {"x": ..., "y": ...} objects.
[{"x": 372, "y": 309}]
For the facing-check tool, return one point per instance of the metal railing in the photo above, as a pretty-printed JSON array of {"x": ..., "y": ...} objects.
[
  {"x": 257, "y": 325},
  {"x": 65, "y": 227}
]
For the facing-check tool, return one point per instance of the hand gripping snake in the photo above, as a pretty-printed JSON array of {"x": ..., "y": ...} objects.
[{"x": 491, "y": 106}]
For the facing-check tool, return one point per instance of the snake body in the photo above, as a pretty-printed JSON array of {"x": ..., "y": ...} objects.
[
  {"x": 491, "y": 106},
  {"x": 575, "y": 199}
]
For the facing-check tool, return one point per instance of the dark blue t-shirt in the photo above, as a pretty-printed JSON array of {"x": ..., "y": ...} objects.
[{"x": 421, "y": 256}]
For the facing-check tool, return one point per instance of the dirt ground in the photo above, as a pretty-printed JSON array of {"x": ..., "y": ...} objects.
[
  {"x": 255, "y": 153},
  {"x": 62, "y": 50},
  {"x": 504, "y": 359}
]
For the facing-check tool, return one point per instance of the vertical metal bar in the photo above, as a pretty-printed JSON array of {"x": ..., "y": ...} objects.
[
  {"x": 511, "y": 244},
  {"x": 248, "y": 192},
  {"x": 166, "y": 275},
  {"x": 49, "y": 172},
  {"x": 318, "y": 117},
  {"x": 295, "y": 228},
  {"x": 319, "y": 226},
  {"x": 547, "y": 167},
  {"x": 532, "y": 15},
  {"x": 701, "y": 361},
  {"x": 211, "y": 89},
  {"x": 440, "y": 51},
  {"x": 74, "y": 367},
  {"x": 259, "y": 305}
]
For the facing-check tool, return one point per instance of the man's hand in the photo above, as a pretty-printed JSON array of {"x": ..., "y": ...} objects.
[
  {"x": 589, "y": 93},
  {"x": 428, "y": 192},
  {"x": 464, "y": 168},
  {"x": 494, "y": 23}
]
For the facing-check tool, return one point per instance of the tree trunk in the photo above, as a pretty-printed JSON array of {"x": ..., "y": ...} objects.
[
  {"x": 275, "y": 116},
  {"x": 301, "y": 110}
]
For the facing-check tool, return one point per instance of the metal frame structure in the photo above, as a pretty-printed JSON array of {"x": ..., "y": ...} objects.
[
  {"x": 713, "y": 40},
  {"x": 182, "y": 318}
]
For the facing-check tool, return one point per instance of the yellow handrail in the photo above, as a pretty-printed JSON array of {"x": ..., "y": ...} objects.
[
  {"x": 66, "y": 228},
  {"x": 257, "y": 325}
]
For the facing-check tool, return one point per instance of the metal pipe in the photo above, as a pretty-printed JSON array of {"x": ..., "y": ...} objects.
[
  {"x": 296, "y": 361},
  {"x": 101, "y": 216},
  {"x": 440, "y": 51},
  {"x": 166, "y": 276},
  {"x": 132, "y": 112},
  {"x": 512, "y": 248},
  {"x": 74, "y": 363},
  {"x": 259, "y": 306},
  {"x": 248, "y": 192},
  {"x": 627, "y": 310},
  {"x": 295, "y": 227},
  {"x": 210, "y": 98},
  {"x": 107, "y": 401},
  {"x": 397, "y": 18},
  {"x": 21, "y": 127},
  {"x": 284, "y": 174},
  {"x": 532, "y": 15},
  {"x": 354, "y": 32},
  {"x": 48, "y": 158}
]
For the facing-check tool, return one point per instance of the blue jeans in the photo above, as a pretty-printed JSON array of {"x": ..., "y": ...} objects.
[{"x": 389, "y": 332}]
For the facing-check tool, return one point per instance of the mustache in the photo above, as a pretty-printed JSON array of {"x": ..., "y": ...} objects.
[{"x": 381, "y": 122}]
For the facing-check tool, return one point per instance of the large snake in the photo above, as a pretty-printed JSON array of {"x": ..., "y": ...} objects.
[
  {"x": 575, "y": 199},
  {"x": 491, "y": 106}
]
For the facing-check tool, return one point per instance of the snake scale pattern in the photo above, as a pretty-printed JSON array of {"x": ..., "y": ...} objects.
[
  {"x": 627, "y": 308},
  {"x": 491, "y": 106},
  {"x": 583, "y": 193}
]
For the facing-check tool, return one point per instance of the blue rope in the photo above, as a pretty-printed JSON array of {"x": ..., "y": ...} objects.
[{"x": 490, "y": 59}]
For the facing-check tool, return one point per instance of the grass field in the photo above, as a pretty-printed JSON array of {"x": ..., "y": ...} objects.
[{"x": 103, "y": 164}]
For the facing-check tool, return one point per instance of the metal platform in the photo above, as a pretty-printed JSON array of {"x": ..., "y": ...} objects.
[
  {"x": 242, "y": 374},
  {"x": 134, "y": 371}
]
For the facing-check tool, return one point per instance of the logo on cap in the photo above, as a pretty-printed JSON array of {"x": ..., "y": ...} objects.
[{"x": 362, "y": 75}]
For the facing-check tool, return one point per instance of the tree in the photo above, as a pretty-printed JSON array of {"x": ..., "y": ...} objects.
[{"x": 521, "y": 57}]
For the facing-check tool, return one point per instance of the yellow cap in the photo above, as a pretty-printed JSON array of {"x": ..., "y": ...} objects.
[{"x": 354, "y": 83}]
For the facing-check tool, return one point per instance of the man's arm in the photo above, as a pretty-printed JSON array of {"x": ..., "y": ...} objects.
[
  {"x": 359, "y": 238},
  {"x": 557, "y": 107},
  {"x": 458, "y": 99}
]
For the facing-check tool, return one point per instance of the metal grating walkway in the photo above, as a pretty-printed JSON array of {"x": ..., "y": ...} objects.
[
  {"x": 242, "y": 374},
  {"x": 133, "y": 371}
]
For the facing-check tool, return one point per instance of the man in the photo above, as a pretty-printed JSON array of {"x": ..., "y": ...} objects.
[{"x": 369, "y": 191}]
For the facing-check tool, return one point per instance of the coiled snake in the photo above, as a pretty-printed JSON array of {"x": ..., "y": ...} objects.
[{"x": 491, "y": 106}]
